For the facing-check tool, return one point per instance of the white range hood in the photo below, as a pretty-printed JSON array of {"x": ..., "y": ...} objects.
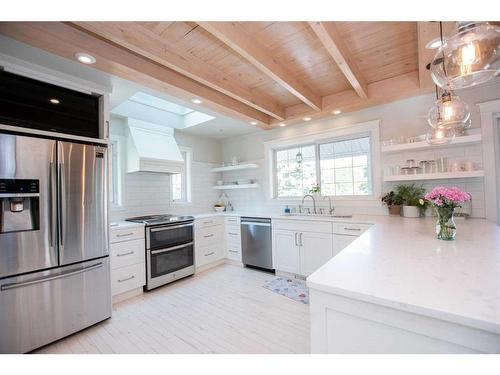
[{"x": 152, "y": 148}]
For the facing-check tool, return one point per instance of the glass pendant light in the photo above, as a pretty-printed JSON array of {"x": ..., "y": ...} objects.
[
  {"x": 469, "y": 58},
  {"x": 440, "y": 136},
  {"x": 448, "y": 111}
]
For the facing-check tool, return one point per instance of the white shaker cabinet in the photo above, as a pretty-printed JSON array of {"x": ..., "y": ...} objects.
[
  {"x": 286, "y": 251},
  {"x": 315, "y": 250}
]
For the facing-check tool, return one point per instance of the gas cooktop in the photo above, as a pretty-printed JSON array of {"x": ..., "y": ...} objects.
[{"x": 159, "y": 219}]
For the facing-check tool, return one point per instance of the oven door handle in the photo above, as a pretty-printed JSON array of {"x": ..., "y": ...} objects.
[
  {"x": 154, "y": 252},
  {"x": 170, "y": 227}
]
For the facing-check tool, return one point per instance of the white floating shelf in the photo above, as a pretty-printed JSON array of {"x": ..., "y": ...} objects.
[
  {"x": 458, "y": 141},
  {"x": 434, "y": 176},
  {"x": 229, "y": 187},
  {"x": 235, "y": 167}
]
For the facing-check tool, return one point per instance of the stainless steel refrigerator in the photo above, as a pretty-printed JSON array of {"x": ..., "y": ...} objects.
[{"x": 54, "y": 264}]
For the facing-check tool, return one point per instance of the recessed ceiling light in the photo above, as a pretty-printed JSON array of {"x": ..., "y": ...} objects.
[
  {"x": 197, "y": 101},
  {"x": 54, "y": 101},
  {"x": 306, "y": 119},
  {"x": 282, "y": 125},
  {"x": 434, "y": 43},
  {"x": 253, "y": 122},
  {"x": 85, "y": 58},
  {"x": 337, "y": 112}
]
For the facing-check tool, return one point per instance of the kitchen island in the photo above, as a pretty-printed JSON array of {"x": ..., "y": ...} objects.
[{"x": 397, "y": 289}]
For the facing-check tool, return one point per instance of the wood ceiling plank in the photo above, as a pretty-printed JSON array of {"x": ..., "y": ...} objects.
[
  {"x": 65, "y": 40},
  {"x": 146, "y": 43},
  {"x": 334, "y": 44},
  {"x": 237, "y": 39}
]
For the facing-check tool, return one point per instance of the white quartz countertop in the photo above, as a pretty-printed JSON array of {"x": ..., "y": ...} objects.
[
  {"x": 400, "y": 263},
  {"x": 124, "y": 224}
]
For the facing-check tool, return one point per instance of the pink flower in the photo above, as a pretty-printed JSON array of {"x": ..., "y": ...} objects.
[{"x": 447, "y": 196}]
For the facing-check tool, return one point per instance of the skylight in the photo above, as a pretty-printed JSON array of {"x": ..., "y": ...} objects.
[{"x": 164, "y": 105}]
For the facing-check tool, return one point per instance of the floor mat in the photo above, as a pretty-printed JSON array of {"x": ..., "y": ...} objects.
[{"x": 293, "y": 289}]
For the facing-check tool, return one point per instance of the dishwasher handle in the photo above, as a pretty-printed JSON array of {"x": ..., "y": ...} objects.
[{"x": 255, "y": 221}]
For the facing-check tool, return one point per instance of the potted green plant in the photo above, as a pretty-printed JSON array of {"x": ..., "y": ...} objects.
[
  {"x": 393, "y": 202},
  {"x": 412, "y": 196},
  {"x": 315, "y": 191}
]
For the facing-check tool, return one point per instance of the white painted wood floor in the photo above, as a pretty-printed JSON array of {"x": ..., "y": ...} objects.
[{"x": 221, "y": 310}]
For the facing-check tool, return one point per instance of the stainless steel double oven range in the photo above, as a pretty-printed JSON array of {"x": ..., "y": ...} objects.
[
  {"x": 54, "y": 262},
  {"x": 169, "y": 248}
]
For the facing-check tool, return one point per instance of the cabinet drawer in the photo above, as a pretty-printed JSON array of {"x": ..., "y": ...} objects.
[
  {"x": 127, "y": 253},
  {"x": 127, "y": 278},
  {"x": 233, "y": 237},
  {"x": 233, "y": 220},
  {"x": 208, "y": 236},
  {"x": 353, "y": 229},
  {"x": 206, "y": 255},
  {"x": 303, "y": 226},
  {"x": 234, "y": 253},
  {"x": 125, "y": 234},
  {"x": 208, "y": 222},
  {"x": 234, "y": 229}
]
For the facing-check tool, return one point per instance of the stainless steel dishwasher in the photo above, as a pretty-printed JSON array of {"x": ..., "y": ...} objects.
[{"x": 256, "y": 242}]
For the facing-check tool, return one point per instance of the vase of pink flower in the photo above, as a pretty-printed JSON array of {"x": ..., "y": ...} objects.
[{"x": 445, "y": 200}]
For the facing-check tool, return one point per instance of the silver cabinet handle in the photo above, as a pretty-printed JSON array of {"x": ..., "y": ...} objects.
[
  {"x": 232, "y": 234},
  {"x": 50, "y": 278},
  {"x": 296, "y": 244},
  {"x": 212, "y": 253},
  {"x": 300, "y": 239},
  {"x": 353, "y": 229},
  {"x": 208, "y": 222},
  {"x": 125, "y": 235},
  {"x": 124, "y": 254},
  {"x": 208, "y": 235},
  {"x": 233, "y": 251},
  {"x": 126, "y": 279}
]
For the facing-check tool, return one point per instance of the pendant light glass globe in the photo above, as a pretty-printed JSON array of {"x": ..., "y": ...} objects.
[
  {"x": 448, "y": 111},
  {"x": 468, "y": 58},
  {"x": 440, "y": 136}
]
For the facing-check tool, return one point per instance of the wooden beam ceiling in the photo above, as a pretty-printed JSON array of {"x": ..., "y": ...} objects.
[
  {"x": 234, "y": 36},
  {"x": 330, "y": 38},
  {"x": 136, "y": 38},
  {"x": 381, "y": 92},
  {"x": 65, "y": 40}
]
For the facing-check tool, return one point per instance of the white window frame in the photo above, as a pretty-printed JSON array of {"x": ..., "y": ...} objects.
[
  {"x": 117, "y": 186},
  {"x": 369, "y": 128},
  {"x": 186, "y": 200}
]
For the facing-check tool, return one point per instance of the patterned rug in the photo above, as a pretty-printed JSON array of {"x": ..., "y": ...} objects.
[{"x": 290, "y": 288}]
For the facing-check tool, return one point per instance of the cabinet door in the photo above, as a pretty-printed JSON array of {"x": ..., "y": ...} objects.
[
  {"x": 340, "y": 241},
  {"x": 315, "y": 250},
  {"x": 286, "y": 251}
]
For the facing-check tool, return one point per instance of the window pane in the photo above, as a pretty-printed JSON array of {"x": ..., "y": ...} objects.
[
  {"x": 295, "y": 171},
  {"x": 346, "y": 165}
]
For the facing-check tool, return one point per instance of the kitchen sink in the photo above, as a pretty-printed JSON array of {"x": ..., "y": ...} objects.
[{"x": 320, "y": 215}]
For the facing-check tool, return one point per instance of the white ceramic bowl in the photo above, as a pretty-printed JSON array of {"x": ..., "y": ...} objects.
[{"x": 219, "y": 209}]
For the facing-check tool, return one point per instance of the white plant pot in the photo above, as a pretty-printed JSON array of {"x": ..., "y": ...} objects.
[{"x": 411, "y": 211}]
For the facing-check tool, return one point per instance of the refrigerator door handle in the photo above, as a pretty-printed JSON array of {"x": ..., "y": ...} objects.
[
  {"x": 62, "y": 204},
  {"x": 50, "y": 278},
  {"x": 52, "y": 203}
]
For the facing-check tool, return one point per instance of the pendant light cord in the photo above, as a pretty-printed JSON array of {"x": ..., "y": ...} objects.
[{"x": 442, "y": 42}]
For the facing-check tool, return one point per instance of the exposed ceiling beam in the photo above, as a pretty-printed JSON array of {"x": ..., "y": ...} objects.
[
  {"x": 65, "y": 40},
  {"x": 330, "y": 38},
  {"x": 146, "y": 43},
  {"x": 381, "y": 92},
  {"x": 426, "y": 32},
  {"x": 237, "y": 39}
]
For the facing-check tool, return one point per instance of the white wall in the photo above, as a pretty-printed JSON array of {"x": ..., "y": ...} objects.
[
  {"x": 403, "y": 118},
  {"x": 149, "y": 193}
]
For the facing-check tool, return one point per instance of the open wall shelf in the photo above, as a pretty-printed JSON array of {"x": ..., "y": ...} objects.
[
  {"x": 235, "y": 167},
  {"x": 435, "y": 176},
  {"x": 423, "y": 145}
]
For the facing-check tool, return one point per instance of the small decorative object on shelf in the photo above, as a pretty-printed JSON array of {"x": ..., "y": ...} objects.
[
  {"x": 393, "y": 202},
  {"x": 445, "y": 200}
]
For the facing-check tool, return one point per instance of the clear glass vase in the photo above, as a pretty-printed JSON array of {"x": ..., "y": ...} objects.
[{"x": 446, "y": 229}]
